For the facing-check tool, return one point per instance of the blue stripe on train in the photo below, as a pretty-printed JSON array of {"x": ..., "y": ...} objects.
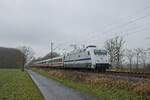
[{"x": 83, "y": 59}]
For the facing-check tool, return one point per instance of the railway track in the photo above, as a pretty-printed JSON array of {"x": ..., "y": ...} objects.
[
  {"x": 120, "y": 73},
  {"x": 129, "y": 74}
]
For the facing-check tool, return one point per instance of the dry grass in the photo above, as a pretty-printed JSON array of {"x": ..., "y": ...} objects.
[{"x": 141, "y": 88}]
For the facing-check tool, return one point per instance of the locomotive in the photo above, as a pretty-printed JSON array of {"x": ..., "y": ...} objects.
[{"x": 89, "y": 58}]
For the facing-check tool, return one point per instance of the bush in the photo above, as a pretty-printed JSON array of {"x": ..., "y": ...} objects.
[
  {"x": 97, "y": 80},
  {"x": 142, "y": 88}
]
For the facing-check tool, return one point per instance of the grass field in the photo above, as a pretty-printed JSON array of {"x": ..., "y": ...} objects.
[
  {"x": 17, "y": 85},
  {"x": 103, "y": 92}
]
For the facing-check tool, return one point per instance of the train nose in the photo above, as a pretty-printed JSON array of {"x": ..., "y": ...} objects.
[{"x": 101, "y": 60}]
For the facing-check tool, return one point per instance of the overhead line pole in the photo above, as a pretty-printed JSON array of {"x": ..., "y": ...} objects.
[{"x": 51, "y": 51}]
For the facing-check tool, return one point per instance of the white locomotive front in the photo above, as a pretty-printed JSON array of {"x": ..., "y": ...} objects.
[{"x": 90, "y": 57}]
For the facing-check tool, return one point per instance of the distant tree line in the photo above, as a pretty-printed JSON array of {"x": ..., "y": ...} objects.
[
  {"x": 10, "y": 58},
  {"x": 139, "y": 58},
  {"x": 118, "y": 55}
]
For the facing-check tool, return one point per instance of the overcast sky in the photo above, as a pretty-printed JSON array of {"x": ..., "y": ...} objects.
[{"x": 36, "y": 23}]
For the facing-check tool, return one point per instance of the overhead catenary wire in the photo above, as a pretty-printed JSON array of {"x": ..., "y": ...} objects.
[
  {"x": 135, "y": 29},
  {"x": 130, "y": 16},
  {"x": 125, "y": 24},
  {"x": 121, "y": 27},
  {"x": 128, "y": 30},
  {"x": 132, "y": 20}
]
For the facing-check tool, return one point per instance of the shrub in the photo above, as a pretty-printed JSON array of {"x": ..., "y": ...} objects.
[
  {"x": 141, "y": 88},
  {"x": 97, "y": 80}
]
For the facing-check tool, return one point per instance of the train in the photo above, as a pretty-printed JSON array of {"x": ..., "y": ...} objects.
[{"x": 90, "y": 57}]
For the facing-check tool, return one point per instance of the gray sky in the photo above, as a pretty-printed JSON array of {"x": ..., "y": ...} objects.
[{"x": 37, "y": 22}]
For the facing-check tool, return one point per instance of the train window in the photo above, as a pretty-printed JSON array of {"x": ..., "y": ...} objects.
[{"x": 100, "y": 52}]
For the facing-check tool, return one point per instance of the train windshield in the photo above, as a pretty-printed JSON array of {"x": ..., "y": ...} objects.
[{"x": 100, "y": 52}]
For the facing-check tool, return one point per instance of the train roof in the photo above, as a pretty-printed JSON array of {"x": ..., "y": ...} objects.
[
  {"x": 49, "y": 59},
  {"x": 82, "y": 49},
  {"x": 91, "y": 46},
  {"x": 57, "y": 58}
]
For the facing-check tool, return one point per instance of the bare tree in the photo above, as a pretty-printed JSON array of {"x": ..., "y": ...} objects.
[
  {"x": 143, "y": 57},
  {"x": 110, "y": 47},
  {"x": 115, "y": 50},
  {"x": 130, "y": 55},
  {"x": 28, "y": 54},
  {"x": 119, "y": 50},
  {"x": 137, "y": 51}
]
